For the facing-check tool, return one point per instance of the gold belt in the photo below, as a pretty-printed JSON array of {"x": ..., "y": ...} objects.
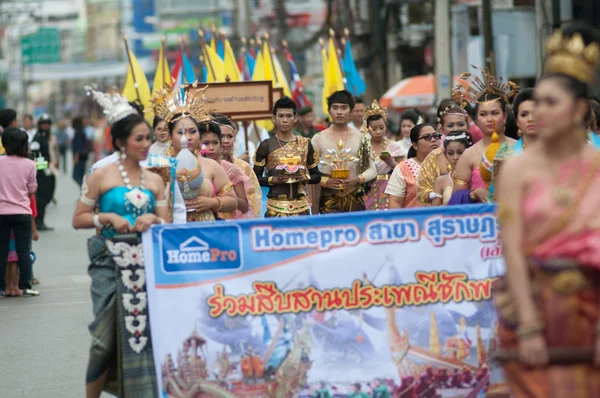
[
  {"x": 384, "y": 177},
  {"x": 288, "y": 206}
]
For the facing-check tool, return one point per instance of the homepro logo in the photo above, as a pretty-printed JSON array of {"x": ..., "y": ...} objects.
[
  {"x": 201, "y": 249},
  {"x": 195, "y": 250}
]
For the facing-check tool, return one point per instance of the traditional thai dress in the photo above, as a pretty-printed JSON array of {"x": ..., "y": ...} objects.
[
  {"x": 403, "y": 182},
  {"x": 236, "y": 176},
  {"x": 561, "y": 239},
  {"x": 376, "y": 198},
  {"x": 121, "y": 339},
  {"x": 286, "y": 200},
  {"x": 430, "y": 171},
  {"x": 338, "y": 201}
]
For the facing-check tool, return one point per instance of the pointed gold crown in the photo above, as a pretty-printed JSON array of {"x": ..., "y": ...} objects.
[
  {"x": 187, "y": 100},
  {"x": 571, "y": 57},
  {"x": 375, "y": 109},
  {"x": 484, "y": 86}
]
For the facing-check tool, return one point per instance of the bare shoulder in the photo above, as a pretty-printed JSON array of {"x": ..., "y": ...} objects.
[{"x": 153, "y": 177}]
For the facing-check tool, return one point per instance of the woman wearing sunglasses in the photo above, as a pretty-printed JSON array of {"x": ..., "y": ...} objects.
[{"x": 402, "y": 187}]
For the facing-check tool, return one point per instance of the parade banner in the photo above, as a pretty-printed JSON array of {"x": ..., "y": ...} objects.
[{"x": 386, "y": 304}]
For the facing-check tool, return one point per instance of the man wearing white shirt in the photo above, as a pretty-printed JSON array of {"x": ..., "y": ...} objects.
[
  {"x": 29, "y": 127},
  {"x": 357, "y": 115},
  {"x": 179, "y": 211},
  {"x": 239, "y": 146}
]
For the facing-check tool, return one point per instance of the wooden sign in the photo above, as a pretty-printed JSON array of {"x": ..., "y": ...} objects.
[
  {"x": 247, "y": 100},
  {"x": 277, "y": 94}
]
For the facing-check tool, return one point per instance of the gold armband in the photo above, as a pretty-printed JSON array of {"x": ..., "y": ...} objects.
[
  {"x": 362, "y": 179},
  {"x": 530, "y": 331},
  {"x": 262, "y": 163},
  {"x": 457, "y": 181},
  {"x": 162, "y": 203},
  {"x": 220, "y": 206},
  {"x": 270, "y": 181},
  {"x": 324, "y": 180},
  {"x": 225, "y": 189}
]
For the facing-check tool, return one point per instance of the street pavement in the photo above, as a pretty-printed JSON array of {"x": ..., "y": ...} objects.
[{"x": 44, "y": 341}]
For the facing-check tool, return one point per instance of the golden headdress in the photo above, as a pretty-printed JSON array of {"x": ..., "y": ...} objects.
[
  {"x": 485, "y": 86},
  {"x": 571, "y": 57},
  {"x": 375, "y": 109},
  {"x": 187, "y": 100}
]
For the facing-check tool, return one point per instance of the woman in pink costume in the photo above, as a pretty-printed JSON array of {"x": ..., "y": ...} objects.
[
  {"x": 548, "y": 199},
  {"x": 491, "y": 106}
]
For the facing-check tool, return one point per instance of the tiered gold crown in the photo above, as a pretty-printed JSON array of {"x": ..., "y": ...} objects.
[
  {"x": 482, "y": 87},
  {"x": 375, "y": 109},
  {"x": 183, "y": 101},
  {"x": 571, "y": 57}
]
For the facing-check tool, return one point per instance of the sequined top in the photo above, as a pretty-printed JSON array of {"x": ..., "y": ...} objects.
[{"x": 129, "y": 204}]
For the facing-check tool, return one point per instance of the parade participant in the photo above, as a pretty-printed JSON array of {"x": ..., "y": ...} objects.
[
  {"x": 16, "y": 189},
  {"x": 455, "y": 144},
  {"x": 305, "y": 125},
  {"x": 184, "y": 113},
  {"x": 402, "y": 187},
  {"x": 548, "y": 212},
  {"x": 451, "y": 117},
  {"x": 409, "y": 119},
  {"x": 376, "y": 118},
  {"x": 210, "y": 142},
  {"x": 523, "y": 110},
  {"x": 491, "y": 97},
  {"x": 228, "y": 134},
  {"x": 357, "y": 114},
  {"x": 161, "y": 131},
  {"x": 291, "y": 162},
  {"x": 340, "y": 195},
  {"x": 44, "y": 145},
  {"x": 130, "y": 200}
]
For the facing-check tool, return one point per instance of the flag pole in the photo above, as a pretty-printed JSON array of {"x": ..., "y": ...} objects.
[
  {"x": 135, "y": 85},
  {"x": 271, "y": 57},
  {"x": 206, "y": 57},
  {"x": 162, "y": 45}
]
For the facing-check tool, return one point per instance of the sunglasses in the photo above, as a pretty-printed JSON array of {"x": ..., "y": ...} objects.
[{"x": 431, "y": 137}]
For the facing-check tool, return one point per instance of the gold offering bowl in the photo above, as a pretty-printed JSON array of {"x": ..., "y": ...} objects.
[{"x": 341, "y": 174}]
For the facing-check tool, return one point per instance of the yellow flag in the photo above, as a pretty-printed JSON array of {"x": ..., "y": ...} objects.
[
  {"x": 214, "y": 65},
  {"x": 231, "y": 67},
  {"x": 332, "y": 73},
  {"x": 162, "y": 78},
  {"x": 142, "y": 93},
  {"x": 281, "y": 80}
]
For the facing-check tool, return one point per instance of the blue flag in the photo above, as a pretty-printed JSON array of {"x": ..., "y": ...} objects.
[{"x": 356, "y": 85}]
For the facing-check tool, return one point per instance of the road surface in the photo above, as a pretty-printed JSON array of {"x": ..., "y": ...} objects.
[{"x": 44, "y": 341}]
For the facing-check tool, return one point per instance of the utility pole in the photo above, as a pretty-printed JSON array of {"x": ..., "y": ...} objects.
[
  {"x": 488, "y": 36},
  {"x": 443, "y": 64}
]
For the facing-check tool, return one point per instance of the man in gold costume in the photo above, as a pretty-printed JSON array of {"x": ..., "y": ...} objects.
[
  {"x": 351, "y": 166},
  {"x": 291, "y": 163}
]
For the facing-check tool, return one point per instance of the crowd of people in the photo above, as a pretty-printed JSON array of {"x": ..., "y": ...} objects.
[{"x": 467, "y": 153}]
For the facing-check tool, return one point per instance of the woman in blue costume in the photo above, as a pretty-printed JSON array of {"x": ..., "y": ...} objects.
[
  {"x": 523, "y": 111},
  {"x": 130, "y": 200}
]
